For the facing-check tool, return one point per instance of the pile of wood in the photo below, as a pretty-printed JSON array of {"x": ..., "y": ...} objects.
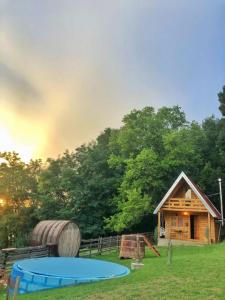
[{"x": 133, "y": 246}]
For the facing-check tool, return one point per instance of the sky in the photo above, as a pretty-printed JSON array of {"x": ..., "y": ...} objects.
[{"x": 71, "y": 68}]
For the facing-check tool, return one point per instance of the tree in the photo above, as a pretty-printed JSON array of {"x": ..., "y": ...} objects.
[
  {"x": 79, "y": 186},
  {"x": 221, "y": 97},
  {"x": 140, "y": 183},
  {"x": 183, "y": 152},
  {"x": 137, "y": 150},
  {"x": 18, "y": 189},
  {"x": 144, "y": 129}
]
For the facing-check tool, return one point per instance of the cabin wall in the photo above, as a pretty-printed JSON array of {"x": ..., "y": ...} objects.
[
  {"x": 181, "y": 191},
  {"x": 190, "y": 226},
  {"x": 177, "y": 226},
  {"x": 201, "y": 227},
  {"x": 214, "y": 231}
]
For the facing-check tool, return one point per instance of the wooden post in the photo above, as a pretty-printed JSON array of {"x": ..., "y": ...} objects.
[
  {"x": 159, "y": 224},
  {"x": 98, "y": 248},
  {"x": 14, "y": 285},
  {"x": 117, "y": 243},
  {"x": 8, "y": 289},
  {"x": 169, "y": 253},
  {"x": 219, "y": 232},
  {"x": 110, "y": 242},
  {"x": 17, "y": 284},
  {"x": 90, "y": 246},
  {"x": 100, "y": 245},
  {"x": 209, "y": 228}
]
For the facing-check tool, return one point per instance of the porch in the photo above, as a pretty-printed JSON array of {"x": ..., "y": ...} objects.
[{"x": 164, "y": 242}]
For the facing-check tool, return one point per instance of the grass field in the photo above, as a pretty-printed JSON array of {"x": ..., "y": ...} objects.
[{"x": 195, "y": 273}]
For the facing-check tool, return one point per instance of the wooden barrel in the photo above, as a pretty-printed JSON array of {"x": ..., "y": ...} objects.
[
  {"x": 65, "y": 234},
  {"x": 132, "y": 246}
]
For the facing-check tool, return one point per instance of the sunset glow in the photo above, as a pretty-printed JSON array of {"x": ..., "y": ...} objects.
[
  {"x": 20, "y": 136},
  {"x": 76, "y": 71}
]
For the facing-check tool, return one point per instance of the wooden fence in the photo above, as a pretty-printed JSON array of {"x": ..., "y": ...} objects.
[
  {"x": 100, "y": 245},
  {"x": 9, "y": 255},
  {"x": 88, "y": 248}
]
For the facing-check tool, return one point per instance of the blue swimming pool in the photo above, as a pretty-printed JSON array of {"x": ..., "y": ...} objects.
[{"x": 52, "y": 272}]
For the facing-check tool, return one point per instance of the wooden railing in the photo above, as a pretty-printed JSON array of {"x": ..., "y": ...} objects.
[
  {"x": 93, "y": 247},
  {"x": 9, "y": 255},
  {"x": 98, "y": 246},
  {"x": 184, "y": 204}
]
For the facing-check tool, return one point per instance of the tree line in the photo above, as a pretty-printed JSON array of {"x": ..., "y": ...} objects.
[{"x": 112, "y": 184}]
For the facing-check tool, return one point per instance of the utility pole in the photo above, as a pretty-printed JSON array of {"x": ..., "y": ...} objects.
[{"x": 221, "y": 200}]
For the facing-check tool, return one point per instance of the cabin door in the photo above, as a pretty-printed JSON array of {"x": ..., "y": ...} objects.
[
  {"x": 194, "y": 224},
  {"x": 178, "y": 227}
]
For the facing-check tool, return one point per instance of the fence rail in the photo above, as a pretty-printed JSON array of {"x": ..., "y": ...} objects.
[
  {"x": 88, "y": 248},
  {"x": 98, "y": 246},
  {"x": 9, "y": 255}
]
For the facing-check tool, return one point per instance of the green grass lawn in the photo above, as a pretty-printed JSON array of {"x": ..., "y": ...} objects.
[{"x": 195, "y": 273}]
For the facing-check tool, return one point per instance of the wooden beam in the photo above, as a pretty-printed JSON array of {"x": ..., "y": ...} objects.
[
  {"x": 150, "y": 246},
  {"x": 159, "y": 224},
  {"x": 184, "y": 209},
  {"x": 209, "y": 228}
]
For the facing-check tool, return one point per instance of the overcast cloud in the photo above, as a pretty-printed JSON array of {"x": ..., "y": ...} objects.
[{"x": 76, "y": 67}]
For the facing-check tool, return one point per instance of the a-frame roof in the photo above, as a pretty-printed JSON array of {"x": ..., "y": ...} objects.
[{"x": 199, "y": 193}]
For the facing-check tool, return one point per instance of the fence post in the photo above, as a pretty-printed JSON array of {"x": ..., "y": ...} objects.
[
  {"x": 8, "y": 286},
  {"x": 100, "y": 245},
  {"x": 99, "y": 239},
  {"x": 6, "y": 252},
  {"x": 90, "y": 246},
  {"x": 117, "y": 243},
  {"x": 12, "y": 284},
  {"x": 17, "y": 284},
  {"x": 110, "y": 242}
]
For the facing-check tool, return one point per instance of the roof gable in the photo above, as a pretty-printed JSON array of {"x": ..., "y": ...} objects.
[{"x": 199, "y": 193}]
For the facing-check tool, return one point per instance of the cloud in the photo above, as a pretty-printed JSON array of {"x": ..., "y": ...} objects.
[
  {"x": 15, "y": 83},
  {"x": 72, "y": 68}
]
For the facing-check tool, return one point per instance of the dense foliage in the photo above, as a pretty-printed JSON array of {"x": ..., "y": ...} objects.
[
  {"x": 18, "y": 193},
  {"x": 221, "y": 96},
  {"x": 113, "y": 183}
]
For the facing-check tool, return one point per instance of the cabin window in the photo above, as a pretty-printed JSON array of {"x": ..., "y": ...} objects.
[
  {"x": 188, "y": 194},
  {"x": 177, "y": 221},
  {"x": 174, "y": 221},
  {"x": 180, "y": 221}
]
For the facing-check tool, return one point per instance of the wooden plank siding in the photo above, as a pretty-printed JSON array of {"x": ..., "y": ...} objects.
[
  {"x": 202, "y": 228},
  {"x": 178, "y": 227},
  {"x": 214, "y": 230}
]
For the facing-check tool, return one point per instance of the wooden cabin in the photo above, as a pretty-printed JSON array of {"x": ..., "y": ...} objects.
[{"x": 186, "y": 215}]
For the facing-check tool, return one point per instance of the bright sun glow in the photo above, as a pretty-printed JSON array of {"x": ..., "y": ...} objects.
[
  {"x": 27, "y": 139},
  {"x": 8, "y": 143},
  {"x": 2, "y": 202}
]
